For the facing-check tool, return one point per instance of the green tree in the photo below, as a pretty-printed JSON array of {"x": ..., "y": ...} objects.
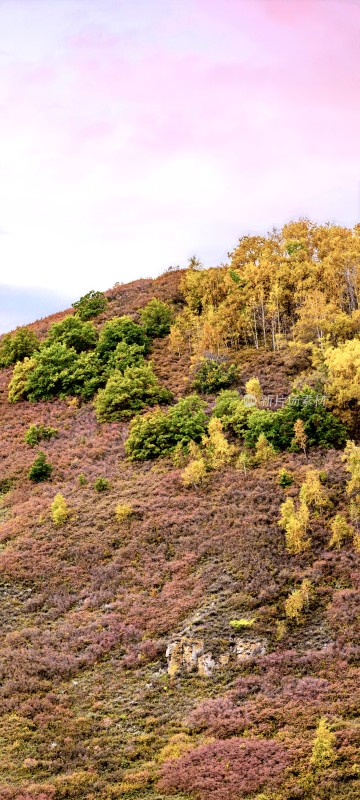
[
  {"x": 156, "y": 318},
  {"x": 40, "y": 469},
  {"x": 159, "y": 432},
  {"x": 120, "y": 329},
  {"x": 212, "y": 374},
  {"x": 17, "y": 346},
  {"x": 90, "y": 305},
  {"x": 72, "y": 332},
  {"x": 125, "y": 394}
]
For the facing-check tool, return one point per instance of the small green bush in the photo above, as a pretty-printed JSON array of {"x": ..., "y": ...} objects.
[
  {"x": 234, "y": 415},
  {"x": 90, "y": 305},
  {"x": 211, "y": 374},
  {"x": 101, "y": 484},
  {"x": 41, "y": 469},
  {"x": 126, "y": 394},
  {"x": 285, "y": 478},
  {"x": 35, "y": 433},
  {"x": 120, "y": 329},
  {"x": 156, "y": 318},
  {"x": 126, "y": 355},
  {"x": 17, "y": 346},
  {"x": 82, "y": 480},
  {"x": 158, "y": 433},
  {"x": 73, "y": 332},
  {"x": 239, "y": 624}
]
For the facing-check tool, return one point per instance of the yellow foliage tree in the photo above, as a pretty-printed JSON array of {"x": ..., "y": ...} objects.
[
  {"x": 297, "y": 601},
  {"x": 295, "y": 523},
  {"x": 340, "y": 530},
  {"x": 343, "y": 385},
  {"x": 217, "y": 449},
  {"x": 311, "y": 491},
  {"x": 323, "y": 752},
  {"x": 264, "y": 451},
  {"x": 300, "y": 438},
  {"x": 59, "y": 509},
  {"x": 253, "y": 386},
  {"x": 194, "y": 473},
  {"x": 351, "y": 458}
]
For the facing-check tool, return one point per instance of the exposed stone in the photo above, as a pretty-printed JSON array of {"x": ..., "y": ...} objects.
[
  {"x": 224, "y": 659},
  {"x": 246, "y": 649},
  {"x": 183, "y": 655},
  {"x": 206, "y": 665}
]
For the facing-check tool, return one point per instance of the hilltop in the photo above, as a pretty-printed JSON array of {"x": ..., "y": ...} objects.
[{"x": 183, "y": 621}]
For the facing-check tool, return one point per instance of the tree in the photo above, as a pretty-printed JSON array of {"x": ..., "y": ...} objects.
[
  {"x": 159, "y": 432},
  {"x": 59, "y": 509},
  {"x": 126, "y": 394},
  {"x": 352, "y": 460},
  {"x": 300, "y": 438},
  {"x": 343, "y": 384},
  {"x": 156, "y": 318},
  {"x": 253, "y": 387},
  {"x": 73, "y": 332},
  {"x": 90, "y": 305},
  {"x": 217, "y": 449},
  {"x": 323, "y": 753},
  {"x": 194, "y": 473},
  {"x": 297, "y": 601},
  {"x": 212, "y": 374},
  {"x": 340, "y": 530},
  {"x": 264, "y": 451},
  {"x": 17, "y": 346},
  {"x": 19, "y": 379},
  {"x": 295, "y": 523},
  {"x": 120, "y": 329},
  {"x": 311, "y": 491},
  {"x": 35, "y": 433},
  {"x": 41, "y": 469}
]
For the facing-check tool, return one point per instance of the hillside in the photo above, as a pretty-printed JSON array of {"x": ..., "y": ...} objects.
[{"x": 165, "y": 637}]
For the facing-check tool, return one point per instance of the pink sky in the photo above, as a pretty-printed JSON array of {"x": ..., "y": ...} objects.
[{"x": 135, "y": 133}]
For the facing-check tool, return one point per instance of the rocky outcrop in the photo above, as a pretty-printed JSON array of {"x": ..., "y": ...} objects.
[{"x": 186, "y": 655}]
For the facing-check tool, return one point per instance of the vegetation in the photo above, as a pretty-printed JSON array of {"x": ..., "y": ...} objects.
[
  {"x": 156, "y": 318},
  {"x": 40, "y": 469},
  {"x": 169, "y": 638},
  {"x": 35, "y": 433},
  {"x": 211, "y": 374},
  {"x": 17, "y": 346},
  {"x": 90, "y": 305},
  {"x": 158, "y": 432},
  {"x": 130, "y": 392}
]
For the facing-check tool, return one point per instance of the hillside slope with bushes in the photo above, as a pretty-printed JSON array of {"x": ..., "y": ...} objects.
[{"x": 180, "y": 533}]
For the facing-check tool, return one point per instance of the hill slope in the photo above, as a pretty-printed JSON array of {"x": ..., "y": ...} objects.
[{"x": 124, "y": 644}]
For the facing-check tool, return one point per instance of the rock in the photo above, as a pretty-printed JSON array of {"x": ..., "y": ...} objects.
[
  {"x": 224, "y": 659},
  {"x": 249, "y": 649},
  {"x": 206, "y": 665},
  {"x": 183, "y": 655}
]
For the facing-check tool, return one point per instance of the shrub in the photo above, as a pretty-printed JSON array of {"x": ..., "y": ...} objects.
[
  {"x": 211, "y": 374},
  {"x": 157, "y": 433},
  {"x": 72, "y": 332},
  {"x": 300, "y": 439},
  {"x": 123, "y": 511},
  {"x": 17, "y": 385},
  {"x": 90, "y": 305},
  {"x": 17, "y": 346},
  {"x": 35, "y": 433},
  {"x": 285, "y": 478},
  {"x": 82, "y": 480},
  {"x": 194, "y": 473},
  {"x": 101, "y": 484},
  {"x": 225, "y": 770},
  {"x": 244, "y": 461},
  {"x": 297, "y": 601},
  {"x": 59, "y": 510},
  {"x": 40, "y": 469},
  {"x": 156, "y": 318},
  {"x": 340, "y": 530},
  {"x": 125, "y": 394},
  {"x": 241, "y": 624},
  {"x": 120, "y": 329},
  {"x": 323, "y": 752}
]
